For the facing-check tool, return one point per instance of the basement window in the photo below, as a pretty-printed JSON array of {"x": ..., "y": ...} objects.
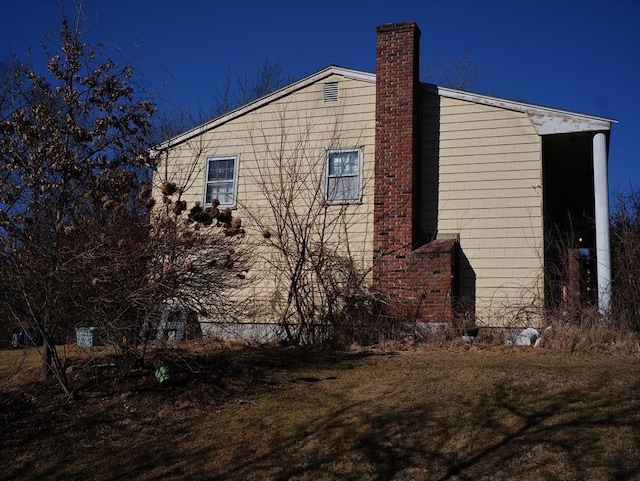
[
  {"x": 330, "y": 92},
  {"x": 343, "y": 179},
  {"x": 221, "y": 180}
]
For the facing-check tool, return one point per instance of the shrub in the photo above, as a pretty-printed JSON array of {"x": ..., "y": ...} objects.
[{"x": 625, "y": 259}]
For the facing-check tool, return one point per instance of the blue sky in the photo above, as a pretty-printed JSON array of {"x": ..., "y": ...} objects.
[{"x": 577, "y": 55}]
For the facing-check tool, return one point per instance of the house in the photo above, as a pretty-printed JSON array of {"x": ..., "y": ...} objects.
[{"x": 452, "y": 202}]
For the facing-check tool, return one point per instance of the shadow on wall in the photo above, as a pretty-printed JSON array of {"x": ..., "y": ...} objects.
[
  {"x": 465, "y": 306},
  {"x": 428, "y": 193},
  {"x": 429, "y": 166}
]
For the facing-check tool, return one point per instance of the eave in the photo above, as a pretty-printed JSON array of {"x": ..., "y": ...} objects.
[
  {"x": 256, "y": 104},
  {"x": 545, "y": 120}
]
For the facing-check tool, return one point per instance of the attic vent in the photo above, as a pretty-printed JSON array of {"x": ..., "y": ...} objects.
[{"x": 330, "y": 92}]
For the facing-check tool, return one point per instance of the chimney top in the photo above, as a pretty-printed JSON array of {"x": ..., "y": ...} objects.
[{"x": 397, "y": 26}]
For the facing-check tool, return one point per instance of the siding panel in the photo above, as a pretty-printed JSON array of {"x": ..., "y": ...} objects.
[
  {"x": 486, "y": 164},
  {"x": 480, "y": 172},
  {"x": 287, "y": 136}
]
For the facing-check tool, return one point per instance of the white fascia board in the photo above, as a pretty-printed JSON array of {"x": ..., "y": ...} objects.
[
  {"x": 278, "y": 94},
  {"x": 545, "y": 120},
  {"x": 557, "y": 122}
]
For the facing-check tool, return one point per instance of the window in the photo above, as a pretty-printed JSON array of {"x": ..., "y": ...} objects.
[
  {"x": 220, "y": 182},
  {"x": 343, "y": 183}
]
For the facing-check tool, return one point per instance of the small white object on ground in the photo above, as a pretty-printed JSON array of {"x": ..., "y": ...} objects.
[{"x": 527, "y": 337}]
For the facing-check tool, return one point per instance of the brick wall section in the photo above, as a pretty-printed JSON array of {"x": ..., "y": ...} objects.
[
  {"x": 396, "y": 149},
  {"x": 432, "y": 277},
  {"x": 420, "y": 279},
  {"x": 572, "y": 296}
]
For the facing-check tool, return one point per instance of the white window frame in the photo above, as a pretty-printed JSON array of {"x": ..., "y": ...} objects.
[
  {"x": 234, "y": 193},
  {"x": 328, "y": 196}
]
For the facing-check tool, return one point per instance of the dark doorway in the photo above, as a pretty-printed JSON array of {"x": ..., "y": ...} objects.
[{"x": 567, "y": 166}]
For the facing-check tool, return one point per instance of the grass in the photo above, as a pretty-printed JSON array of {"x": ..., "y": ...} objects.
[{"x": 275, "y": 414}]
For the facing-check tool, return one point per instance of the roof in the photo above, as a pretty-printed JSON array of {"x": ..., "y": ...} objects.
[
  {"x": 278, "y": 94},
  {"x": 545, "y": 120}
]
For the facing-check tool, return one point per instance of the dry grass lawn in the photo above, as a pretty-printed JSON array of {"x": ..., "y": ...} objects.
[{"x": 284, "y": 414}]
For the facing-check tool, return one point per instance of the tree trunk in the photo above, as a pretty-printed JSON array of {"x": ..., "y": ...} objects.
[{"x": 47, "y": 358}]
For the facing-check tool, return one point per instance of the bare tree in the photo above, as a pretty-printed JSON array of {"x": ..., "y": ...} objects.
[
  {"x": 459, "y": 74},
  {"x": 241, "y": 89},
  {"x": 197, "y": 254},
  {"x": 80, "y": 240},
  {"x": 625, "y": 244},
  {"x": 73, "y": 150},
  {"x": 318, "y": 270},
  {"x": 170, "y": 121}
]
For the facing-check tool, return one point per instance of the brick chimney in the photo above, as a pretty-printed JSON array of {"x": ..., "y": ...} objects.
[
  {"x": 395, "y": 211},
  {"x": 419, "y": 278}
]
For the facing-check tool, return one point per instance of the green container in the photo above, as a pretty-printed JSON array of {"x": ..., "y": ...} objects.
[{"x": 163, "y": 374}]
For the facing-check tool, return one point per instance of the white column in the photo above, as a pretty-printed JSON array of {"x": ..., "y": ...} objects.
[{"x": 601, "y": 192}]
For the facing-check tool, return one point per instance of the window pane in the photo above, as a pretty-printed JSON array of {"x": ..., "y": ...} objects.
[
  {"x": 210, "y": 195},
  {"x": 335, "y": 164},
  {"x": 220, "y": 170},
  {"x": 223, "y": 191},
  {"x": 342, "y": 188},
  {"x": 213, "y": 170},
  {"x": 225, "y": 171},
  {"x": 343, "y": 163},
  {"x": 351, "y": 163}
]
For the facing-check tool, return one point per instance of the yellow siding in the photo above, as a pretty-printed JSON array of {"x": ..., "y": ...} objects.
[
  {"x": 488, "y": 179},
  {"x": 288, "y": 139},
  {"x": 480, "y": 178}
]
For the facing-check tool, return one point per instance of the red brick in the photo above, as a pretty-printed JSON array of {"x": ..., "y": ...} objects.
[{"x": 422, "y": 279}]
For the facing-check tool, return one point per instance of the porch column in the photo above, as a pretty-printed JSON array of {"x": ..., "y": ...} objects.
[{"x": 601, "y": 193}]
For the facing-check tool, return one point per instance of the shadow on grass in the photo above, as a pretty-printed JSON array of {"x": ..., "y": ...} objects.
[
  {"x": 340, "y": 416},
  {"x": 48, "y": 437},
  {"x": 507, "y": 437}
]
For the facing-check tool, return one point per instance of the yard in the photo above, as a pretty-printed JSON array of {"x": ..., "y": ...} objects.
[{"x": 458, "y": 413}]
